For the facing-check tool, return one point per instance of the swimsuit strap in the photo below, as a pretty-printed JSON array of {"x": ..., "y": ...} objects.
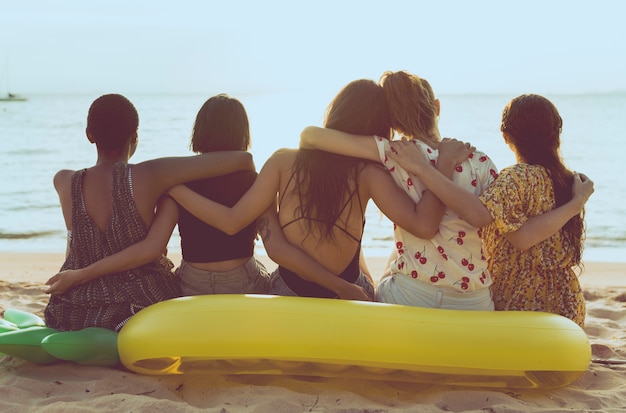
[{"x": 352, "y": 194}]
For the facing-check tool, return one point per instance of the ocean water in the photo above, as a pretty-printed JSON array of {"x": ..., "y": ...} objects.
[{"x": 46, "y": 133}]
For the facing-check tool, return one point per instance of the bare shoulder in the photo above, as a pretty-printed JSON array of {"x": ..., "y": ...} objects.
[
  {"x": 373, "y": 169},
  {"x": 284, "y": 153},
  {"x": 281, "y": 158},
  {"x": 63, "y": 179},
  {"x": 374, "y": 175}
]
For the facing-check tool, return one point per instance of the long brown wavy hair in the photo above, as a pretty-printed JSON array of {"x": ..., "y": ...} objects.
[
  {"x": 533, "y": 126},
  {"x": 412, "y": 103},
  {"x": 325, "y": 181}
]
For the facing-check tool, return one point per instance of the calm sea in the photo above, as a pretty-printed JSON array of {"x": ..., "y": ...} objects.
[{"x": 46, "y": 133}]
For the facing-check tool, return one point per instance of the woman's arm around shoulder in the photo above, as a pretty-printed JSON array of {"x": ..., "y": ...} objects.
[
  {"x": 451, "y": 153},
  {"x": 252, "y": 204},
  {"x": 143, "y": 252},
  {"x": 541, "y": 227},
  {"x": 167, "y": 172},
  {"x": 342, "y": 143},
  {"x": 377, "y": 184},
  {"x": 465, "y": 204}
]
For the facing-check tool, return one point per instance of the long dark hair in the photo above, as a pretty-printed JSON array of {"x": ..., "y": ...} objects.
[
  {"x": 324, "y": 181},
  {"x": 221, "y": 125},
  {"x": 533, "y": 125}
]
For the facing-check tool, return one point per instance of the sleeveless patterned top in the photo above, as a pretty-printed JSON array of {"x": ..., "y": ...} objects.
[{"x": 108, "y": 301}]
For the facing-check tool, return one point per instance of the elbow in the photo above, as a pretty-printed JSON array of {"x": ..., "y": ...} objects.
[
  {"x": 153, "y": 253},
  {"x": 521, "y": 244},
  {"x": 273, "y": 250},
  {"x": 229, "y": 225},
  {"x": 231, "y": 230},
  {"x": 522, "y": 247},
  {"x": 477, "y": 220},
  {"x": 305, "y": 137},
  {"x": 429, "y": 232},
  {"x": 422, "y": 232},
  {"x": 519, "y": 241},
  {"x": 426, "y": 233},
  {"x": 248, "y": 162}
]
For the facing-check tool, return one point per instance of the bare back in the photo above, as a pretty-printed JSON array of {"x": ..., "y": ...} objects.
[
  {"x": 97, "y": 184},
  {"x": 347, "y": 231}
]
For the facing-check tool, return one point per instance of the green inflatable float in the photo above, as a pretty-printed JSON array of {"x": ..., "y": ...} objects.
[{"x": 25, "y": 335}]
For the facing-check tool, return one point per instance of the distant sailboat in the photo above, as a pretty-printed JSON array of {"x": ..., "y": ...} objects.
[
  {"x": 10, "y": 97},
  {"x": 5, "y": 95}
]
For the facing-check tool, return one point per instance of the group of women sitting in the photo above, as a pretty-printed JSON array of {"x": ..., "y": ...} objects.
[{"x": 466, "y": 236}]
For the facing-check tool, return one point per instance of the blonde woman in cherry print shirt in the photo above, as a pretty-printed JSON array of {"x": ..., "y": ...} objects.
[
  {"x": 453, "y": 258},
  {"x": 446, "y": 269}
]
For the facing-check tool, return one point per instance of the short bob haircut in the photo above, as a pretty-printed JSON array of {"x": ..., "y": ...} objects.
[{"x": 221, "y": 125}]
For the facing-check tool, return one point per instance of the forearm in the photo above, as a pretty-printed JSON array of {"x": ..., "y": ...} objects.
[
  {"x": 250, "y": 206},
  {"x": 144, "y": 251},
  {"x": 541, "y": 227},
  {"x": 129, "y": 258},
  {"x": 364, "y": 268},
  {"x": 342, "y": 143},
  {"x": 225, "y": 162},
  {"x": 206, "y": 210},
  {"x": 465, "y": 204},
  {"x": 462, "y": 202},
  {"x": 432, "y": 208},
  {"x": 176, "y": 170}
]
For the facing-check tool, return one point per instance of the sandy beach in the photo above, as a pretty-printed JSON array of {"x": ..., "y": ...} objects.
[{"x": 67, "y": 387}]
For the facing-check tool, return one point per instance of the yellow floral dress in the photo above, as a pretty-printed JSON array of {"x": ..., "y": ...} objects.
[{"x": 540, "y": 278}]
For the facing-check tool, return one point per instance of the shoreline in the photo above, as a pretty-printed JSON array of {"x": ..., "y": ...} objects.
[{"x": 37, "y": 267}]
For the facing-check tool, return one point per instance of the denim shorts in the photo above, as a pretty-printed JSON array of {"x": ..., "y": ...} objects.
[
  {"x": 279, "y": 287},
  {"x": 401, "y": 289},
  {"x": 250, "y": 278}
]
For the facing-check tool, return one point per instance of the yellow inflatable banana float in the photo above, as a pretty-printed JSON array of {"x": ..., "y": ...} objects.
[
  {"x": 323, "y": 337},
  {"x": 259, "y": 334}
]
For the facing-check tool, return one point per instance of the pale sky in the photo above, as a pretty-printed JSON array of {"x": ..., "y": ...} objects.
[{"x": 254, "y": 46}]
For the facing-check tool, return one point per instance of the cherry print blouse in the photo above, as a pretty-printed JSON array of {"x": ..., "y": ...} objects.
[{"x": 453, "y": 258}]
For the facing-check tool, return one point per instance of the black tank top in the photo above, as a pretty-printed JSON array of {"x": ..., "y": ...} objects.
[{"x": 201, "y": 242}]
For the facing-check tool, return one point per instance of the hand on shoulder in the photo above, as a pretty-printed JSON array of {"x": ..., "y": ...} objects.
[
  {"x": 582, "y": 188},
  {"x": 454, "y": 151},
  {"x": 409, "y": 155}
]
